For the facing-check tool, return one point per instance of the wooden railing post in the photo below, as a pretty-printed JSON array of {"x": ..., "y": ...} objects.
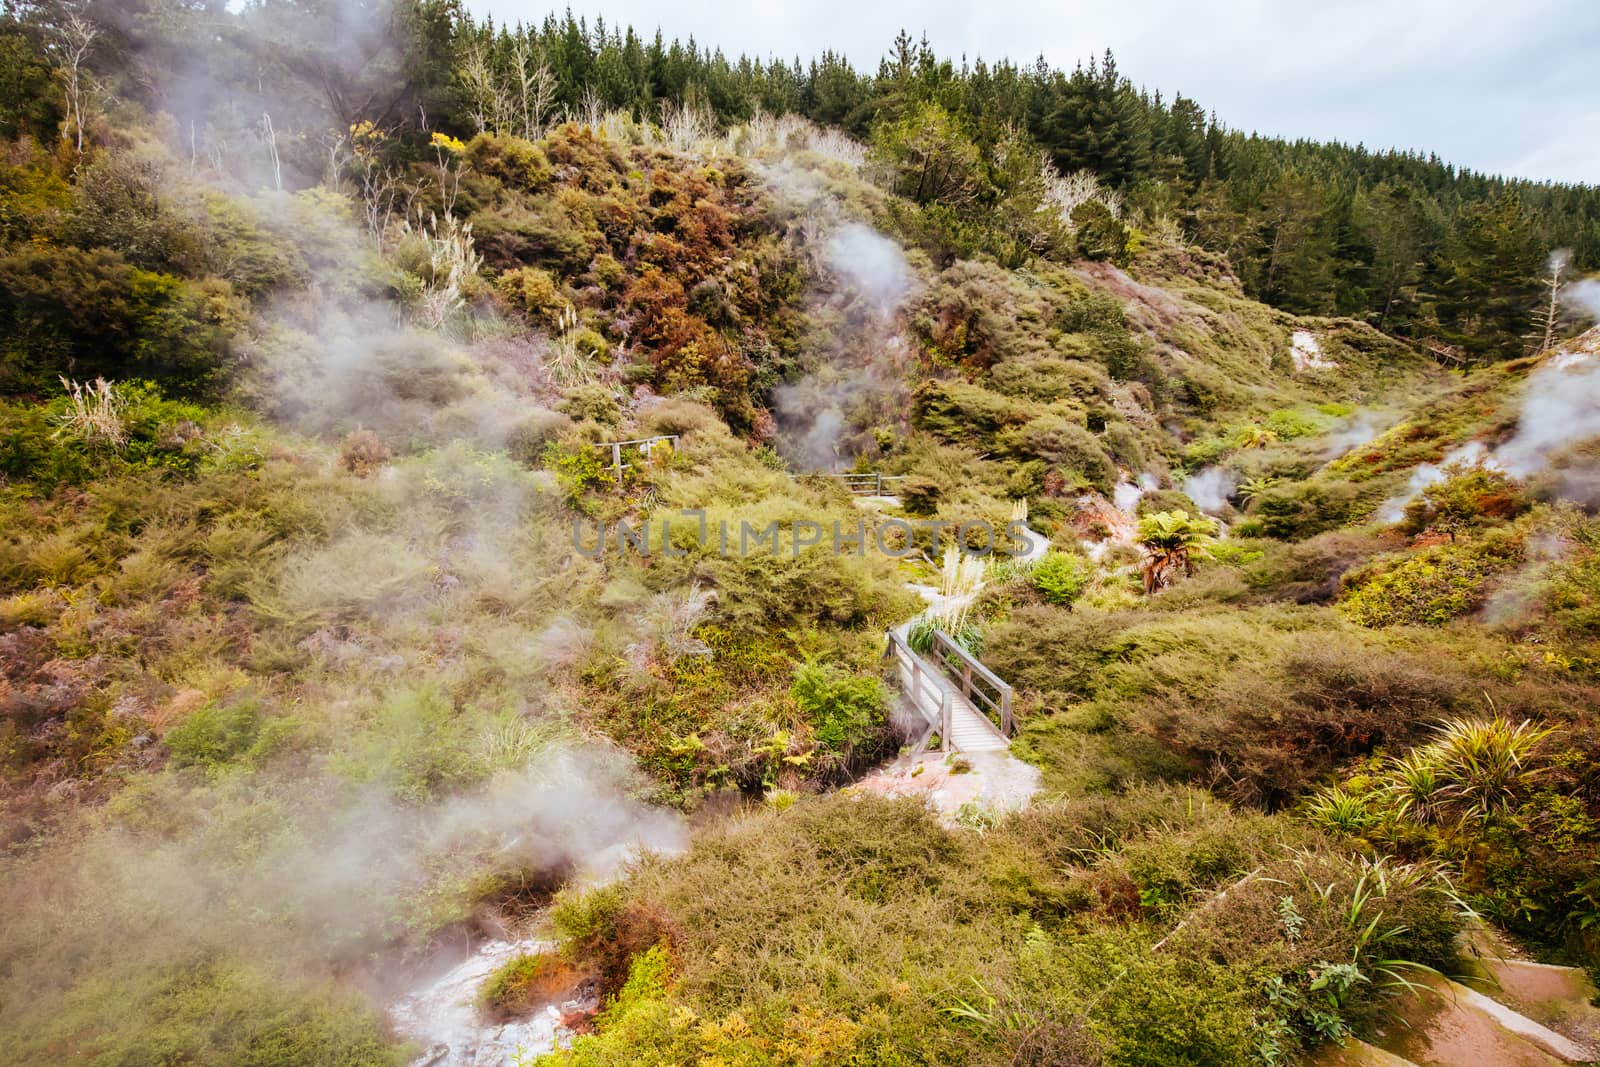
[
  {"x": 1006, "y": 722},
  {"x": 616, "y": 459},
  {"x": 946, "y": 715}
]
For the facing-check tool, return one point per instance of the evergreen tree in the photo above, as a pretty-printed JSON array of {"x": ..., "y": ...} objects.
[
  {"x": 1099, "y": 123},
  {"x": 1400, "y": 230},
  {"x": 1487, "y": 278}
]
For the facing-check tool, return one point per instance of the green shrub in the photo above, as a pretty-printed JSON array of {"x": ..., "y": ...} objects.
[
  {"x": 848, "y": 713},
  {"x": 529, "y": 439},
  {"x": 1063, "y": 444},
  {"x": 216, "y": 734},
  {"x": 580, "y": 469},
  {"x": 592, "y": 344},
  {"x": 761, "y": 592},
  {"x": 1157, "y": 500},
  {"x": 33, "y": 197},
  {"x": 245, "y": 243},
  {"x": 28, "y": 102},
  {"x": 1100, "y": 234},
  {"x": 1159, "y": 1010},
  {"x": 31, "y": 450},
  {"x": 89, "y": 313},
  {"x": 1295, "y": 512},
  {"x": 273, "y": 1020},
  {"x": 1050, "y": 379},
  {"x": 927, "y": 157},
  {"x": 1308, "y": 571},
  {"x": 519, "y": 163},
  {"x": 680, "y": 415},
  {"x": 1265, "y": 698},
  {"x": 585, "y": 919},
  {"x": 1062, "y": 577},
  {"x": 593, "y": 401},
  {"x": 1122, "y": 444},
  {"x": 1502, "y": 801},
  {"x": 648, "y": 982},
  {"x": 956, "y": 411},
  {"x": 603, "y": 929},
  {"x": 920, "y": 635},
  {"x": 415, "y": 743},
  {"x": 534, "y": 292},
  {"x": 121, "y": 203},
  {"x": 1430, "y": 588},
  {"x": 1381, "y": 921},
  {"x": 1469, "y": 497},
  {"x": 511, "y": 236},
  {"x": 919, "y": 494},
  {"x": 1296, "y": 422}
]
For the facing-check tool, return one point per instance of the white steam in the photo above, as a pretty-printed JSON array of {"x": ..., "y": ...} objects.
[
  {"x": 870, "y": 266},
  {"x": 1361, "y": 428},
  {"x": 856, "y": 377},
  {"x": 1211, "y": 488},
  {"x": 1125, "y": 496},
  {"x": 1560, "y": 407},
  {"x": 1583, "y": 296},
  {"x": 1425, "y": 474},
  {"x": 565, "y": 812}
]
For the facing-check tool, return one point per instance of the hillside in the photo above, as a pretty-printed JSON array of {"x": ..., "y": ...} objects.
[{"x": 388, "y": 675}]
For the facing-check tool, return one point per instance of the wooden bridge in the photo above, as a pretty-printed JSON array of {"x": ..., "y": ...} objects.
[{"x": 963, "y": 700}]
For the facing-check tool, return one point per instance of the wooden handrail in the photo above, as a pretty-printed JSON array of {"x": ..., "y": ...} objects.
[
  {"x": 898, "y": 644},
  {"x": 965, "y": 671},
  {"x": 869, "y": 484},
  {"x": 962, "y": 667},
  {"x": 645, "y": 444},
  {"x": 639, "y": 440}
]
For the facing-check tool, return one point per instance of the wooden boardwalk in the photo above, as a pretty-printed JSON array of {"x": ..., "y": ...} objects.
[
  {"x": 964, "y": 702},
  {"x": 961, "y": 725}
]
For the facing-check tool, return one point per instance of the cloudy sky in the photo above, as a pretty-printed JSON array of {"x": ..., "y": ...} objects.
[{"x": 1508, "y": 87}]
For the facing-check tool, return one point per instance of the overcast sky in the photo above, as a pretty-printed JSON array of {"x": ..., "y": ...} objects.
[{"x": 1507, "y": 86}]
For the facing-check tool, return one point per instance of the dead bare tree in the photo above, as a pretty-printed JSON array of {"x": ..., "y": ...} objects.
[
  {"x": 1548, "y": 318},
  {"x": 1067, "y": 192},
  {"x": 536, "y": 88},
  {"x": 75, "y": 35},
  {"x": 516, "y": 103},
  {"x": 270, "y": 136},
  {"x": 386, "y": 196},
  {"x": 334, "y": 141},
  {"x": 591, "y": 110},
  {"x": 482, "y": 86}
]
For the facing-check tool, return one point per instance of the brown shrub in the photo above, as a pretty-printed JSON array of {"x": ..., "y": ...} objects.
[
  {"x": 525, "y": 982},
  {"x": 1272, "y": 727},
  {"x": 363, "y": 453},
  {"x": 679, "y": 415}
]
